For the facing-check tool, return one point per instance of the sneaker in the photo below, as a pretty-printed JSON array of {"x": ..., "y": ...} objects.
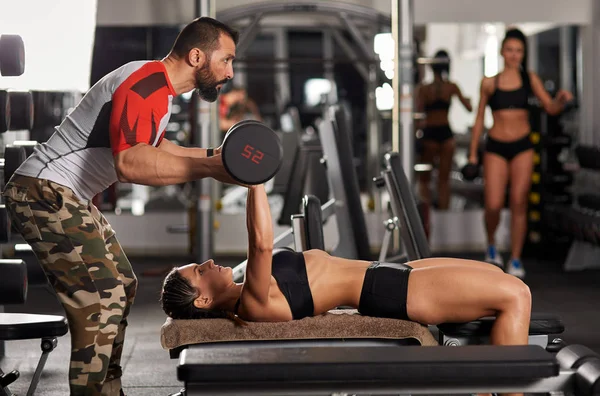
[
  {"x": 493, "y": 257},
  {"x": 515, "y": 267}
]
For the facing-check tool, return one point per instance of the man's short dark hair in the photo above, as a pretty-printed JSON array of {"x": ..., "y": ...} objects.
[{"x": 202, "y": 33}]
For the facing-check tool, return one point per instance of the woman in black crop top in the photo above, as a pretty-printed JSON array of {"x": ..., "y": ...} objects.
[
  {"x": 437, "y": 142},
  {"x": 284, "y": 285},
  {"x": 509, "y": 150}
]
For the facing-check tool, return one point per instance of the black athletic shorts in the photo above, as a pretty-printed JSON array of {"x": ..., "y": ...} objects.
[{"x": 385, "y": 290}]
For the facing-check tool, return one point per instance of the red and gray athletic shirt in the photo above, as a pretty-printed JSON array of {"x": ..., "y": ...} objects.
[{"x": 127, "y": 106}]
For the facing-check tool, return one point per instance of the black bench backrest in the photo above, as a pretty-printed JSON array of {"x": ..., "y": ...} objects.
[
  {"x": 410, "y": 220},
  {"x": 313, "y": 223},
  {"x": 307, "y": 176},
  {"x": 343, "y": 143}
]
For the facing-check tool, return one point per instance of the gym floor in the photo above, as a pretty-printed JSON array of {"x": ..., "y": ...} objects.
[{"x": 149, "y": 371}]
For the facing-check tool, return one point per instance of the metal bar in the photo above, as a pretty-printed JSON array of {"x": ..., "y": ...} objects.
[
  {"x": 204, "y": 235},
  {"x": 350, "y": 53},
  {"x": 328, "y": 65},
  {"x": 403, "y": 227},
  {"x": 319, "y": 60},
  {"x": 298, "y": 224},
  {"x": 303, "y": 6},
  {"x": 580, "y": 78},
  {"x": 328, "y": 209},
  {"x": 432, "y": 61},
  {"x": 373, "y": 140},
  {"x": 283, "y": 93},
  {"x": 345, "y": 248},
  {"x": 248, "y": 35},
  {"x": 564, "y": 381},
  {"x": 385, "y": 245},
  {"x": 532, "y": 52},
  {"x": 366, "y": 49},
  {"x": 566, "y": 60},
  {"x": 402, "y": 83}
]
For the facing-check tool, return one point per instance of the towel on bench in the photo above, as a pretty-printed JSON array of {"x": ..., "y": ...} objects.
[{"x": 336, "y": 324}]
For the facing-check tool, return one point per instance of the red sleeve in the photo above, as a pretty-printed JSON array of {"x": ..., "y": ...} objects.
[{"x": 138, "y": 106}]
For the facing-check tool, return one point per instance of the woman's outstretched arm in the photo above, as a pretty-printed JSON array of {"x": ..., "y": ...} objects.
[{"x": 260, "y": 247}]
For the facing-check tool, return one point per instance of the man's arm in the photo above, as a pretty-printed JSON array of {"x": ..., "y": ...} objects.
[
  {"x": 133, "y": 131},
  {"x": 148, "y": 165},
  {"x": 192, "y": 152}
]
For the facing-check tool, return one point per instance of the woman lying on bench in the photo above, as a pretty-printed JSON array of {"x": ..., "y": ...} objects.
[{"x": 283, "y": 285}]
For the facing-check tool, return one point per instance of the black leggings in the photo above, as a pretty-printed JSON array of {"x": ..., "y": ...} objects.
[{"x": 385, "y": 291}]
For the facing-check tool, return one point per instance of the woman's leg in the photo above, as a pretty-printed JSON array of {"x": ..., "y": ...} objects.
[
  {"x": 461, "y": 292},
  {"x": 521, "y": 168},
  {"x": 445, "y": 166},
  {"x": 496, "y": 171},
  {"x": 430, "y": 151},
  {"x": 447, "y": 262}
]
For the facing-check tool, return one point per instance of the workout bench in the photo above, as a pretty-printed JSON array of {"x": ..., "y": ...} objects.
[
  {"x": 300, "y": 357},
  {"x": 17, "y": 326}
]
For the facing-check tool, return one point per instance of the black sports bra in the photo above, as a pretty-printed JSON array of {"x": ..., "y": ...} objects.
[
  {"x": 438, "y": 104},
  {"x": 513, "y": 99},
  {"x": 289, "y": 270}
]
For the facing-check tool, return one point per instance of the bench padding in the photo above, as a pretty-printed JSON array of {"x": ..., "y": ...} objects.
[{"x": 336, "y": 324}]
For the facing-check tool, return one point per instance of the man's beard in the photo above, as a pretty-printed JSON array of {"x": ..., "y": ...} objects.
[{"x": 206, "y": 83}]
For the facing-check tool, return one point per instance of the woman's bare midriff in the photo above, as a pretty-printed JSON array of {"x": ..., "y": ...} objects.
[
  {"x": 334, "y": 281},
  {"x": 436, "y": 118},
  {"x": 510, "y": 125}
]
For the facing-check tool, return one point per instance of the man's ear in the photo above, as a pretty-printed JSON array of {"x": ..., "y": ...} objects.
[
  {"x": 196, "y": 57},
  {"x": 202, "y": 302}
]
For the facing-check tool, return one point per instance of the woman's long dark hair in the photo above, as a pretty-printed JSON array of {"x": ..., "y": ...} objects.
[
  {"x": 442, "y": 69},
  {"x": 517, "y": 34},
  {"x": 177, "y": 300}
]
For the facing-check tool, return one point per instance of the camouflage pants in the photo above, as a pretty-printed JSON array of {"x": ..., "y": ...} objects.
[{"x": 91, "y": 275}]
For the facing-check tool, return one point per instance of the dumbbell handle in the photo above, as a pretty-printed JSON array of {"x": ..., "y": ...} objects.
[{"x": 379, "y": 181}]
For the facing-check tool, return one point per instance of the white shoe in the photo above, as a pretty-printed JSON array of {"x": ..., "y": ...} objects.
[
  {"x": 515, "y": 267},
  {"x": 493, "y": 257}
]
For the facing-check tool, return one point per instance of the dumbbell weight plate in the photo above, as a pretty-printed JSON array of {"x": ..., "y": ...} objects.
[
  {"x": 21, "y": 110},
  {"x": 14, "y": 156},
  {"x": 470, "y": 172},
  {"x": 4, "y": 225},
  {"x": 14, "y": 282},
  {"x": 252, "y": 153},
  {"x": 243, "y": 122},
  {"x": 29, "y": 145},
  {"x": 4, "y": 111},
  {"x": 12, "y": 55}
]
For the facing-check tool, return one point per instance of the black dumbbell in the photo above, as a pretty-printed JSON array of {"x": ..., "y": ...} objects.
[
  {"x": 252, "y": 153},
  {"x": 14, "y": 156},
  {"x": 21, "y": 110},
  {"x": 14, "y": 281},
  {"x": 12, "y": 55},
  {"x": 470, "y": 171},
  {"x": 29, "y": 145},
  {"x": 4, "y": 111}
]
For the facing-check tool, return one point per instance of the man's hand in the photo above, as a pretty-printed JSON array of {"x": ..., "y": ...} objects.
[{"x": 218, "y": 171}]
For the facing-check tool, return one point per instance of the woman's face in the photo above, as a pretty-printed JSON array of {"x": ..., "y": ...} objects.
[
  {"x": 513, "y": 52},
  {"x": 208, "y": 278}
]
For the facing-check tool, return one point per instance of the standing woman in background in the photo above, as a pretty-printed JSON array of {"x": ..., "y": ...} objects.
[
  {"x": 509, "y": 150},
  {"x": 437, "y": 142}
]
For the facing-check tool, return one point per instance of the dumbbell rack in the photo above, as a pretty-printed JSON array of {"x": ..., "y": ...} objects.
[{"x": 550, "y": 181}]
